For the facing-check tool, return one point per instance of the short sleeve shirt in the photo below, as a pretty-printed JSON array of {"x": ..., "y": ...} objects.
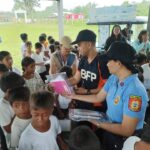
[
  {"x": 31, "y": 139},
  {"x": 90, "y": 72},
  {"x": 128, "y": 97},
  {"x": 35, "y": 84},
  {"x": 6, "y": 113},
  {"x": 38, "y": 59}
]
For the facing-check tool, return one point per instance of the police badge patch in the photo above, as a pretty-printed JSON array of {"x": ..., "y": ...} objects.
[
  {"x": 117, "y": 99},
  {"x": 135, "y": 103}
]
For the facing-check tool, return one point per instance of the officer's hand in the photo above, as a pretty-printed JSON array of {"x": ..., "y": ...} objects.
[{"x": 95, "y": 122}]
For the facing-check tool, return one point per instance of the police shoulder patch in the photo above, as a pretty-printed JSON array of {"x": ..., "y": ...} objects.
[{"x": 135, "y": 103}]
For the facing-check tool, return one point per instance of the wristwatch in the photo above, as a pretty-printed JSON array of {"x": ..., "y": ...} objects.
[{"x": 98, "y": 125}]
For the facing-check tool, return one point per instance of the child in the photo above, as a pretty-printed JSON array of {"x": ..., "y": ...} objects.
[
  {"x": 44, "y": 129},
  {"x": 83, "y": 138},
  {"x": 3, "y": 69},
  {"x": 29, "y": 51},
  {"x": 9, "y": 81},
  {"x": 19, "y": 99},
  {"x": 24, "y": 38},
  {"x": 6, "y": 59},
  {"x": 62, "y": 102},
  {"x": 52, "y": 48},
  {"x": 46, "y": 41},
  {"x": 146, "y": 73},
  {"x": 45, "y": 51},
  {"x": 39, "y": 61},
  {"x": 32, "y": 79},
  {"x": 57, "y": 46},
  {"x": 141, "y": 59},
  {"x": 49, "y": 38}
]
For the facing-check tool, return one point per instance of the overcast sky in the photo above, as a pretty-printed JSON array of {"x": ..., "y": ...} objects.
[{"x": 7, "y": 5}]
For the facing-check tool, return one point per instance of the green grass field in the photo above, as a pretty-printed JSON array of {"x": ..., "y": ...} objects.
[{"x": 9, "y": 32}]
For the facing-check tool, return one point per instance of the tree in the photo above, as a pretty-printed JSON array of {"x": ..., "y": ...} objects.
[
  {"x": 51, "y": 9},
  {"x": 125, "y": 3},
  {"x": 27, "y": 5},
  {"x": 84, "y": 9},
  {"x": 141, "y": 8}
]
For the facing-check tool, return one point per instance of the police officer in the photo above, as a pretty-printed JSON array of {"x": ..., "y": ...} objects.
[{"x": 125, "y": 95}]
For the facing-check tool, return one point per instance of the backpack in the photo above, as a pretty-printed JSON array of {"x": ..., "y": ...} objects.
[
  {"x": 103, "y": 69},
  {"x": 70, "y": 59},
  {"x": 104, "y": 74}
]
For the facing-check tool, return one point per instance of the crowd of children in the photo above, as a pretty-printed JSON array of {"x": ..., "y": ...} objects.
[{"x": 30, "y": 110}]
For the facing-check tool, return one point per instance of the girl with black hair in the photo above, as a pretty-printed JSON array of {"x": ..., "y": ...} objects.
[
  {"x": 32, "y": 79},
  {"x": 116, "y": 35}
]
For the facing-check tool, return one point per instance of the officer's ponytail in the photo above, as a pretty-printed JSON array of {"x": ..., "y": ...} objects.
[
  {"x": 132, "y": 67},
  {"x": 132, "y": 64},
  {"x": 135, "y": 69}
]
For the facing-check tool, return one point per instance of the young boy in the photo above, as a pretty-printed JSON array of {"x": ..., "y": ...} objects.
[
  {"x": 62, "y": 102},
  {"x": 9, "y": 81},
  {"x": 45, "y": 51},
  {"x": 28, "y": 51},
  {"x": 39, "y": 61},
  {"x": 19, "y": 99},
  {"x": 3, "y": 69},
  {"x": 24, "y": 38},
  {"x": 83, "y": 138},
  {"x": 6, "y": 59},
  {"x": 44, "y": 129}
]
